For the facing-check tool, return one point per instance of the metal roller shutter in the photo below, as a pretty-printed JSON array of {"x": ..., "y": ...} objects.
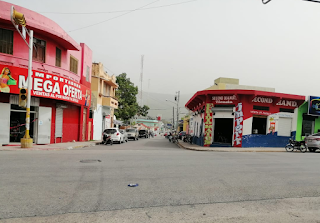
[
  {"x": 59, "y": 117},
  {"x": 284, "y": 127}
]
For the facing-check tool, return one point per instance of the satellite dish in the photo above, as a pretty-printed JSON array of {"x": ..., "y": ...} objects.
[{"x": 265, "y": 1}]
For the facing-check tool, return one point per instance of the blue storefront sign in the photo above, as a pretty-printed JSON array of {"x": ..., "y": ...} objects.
[{"x": 314, "y": 105}]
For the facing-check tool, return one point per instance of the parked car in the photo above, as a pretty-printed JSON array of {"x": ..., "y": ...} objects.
[
  {"x": 182, "y": 134},
  {"x": 125, "y": 135},
  {"x": 313, "y": 142},
  {"x": 116, "y": 135},
  {"x": 132, "y": 134},
  {"x": 143, "y": 133}
]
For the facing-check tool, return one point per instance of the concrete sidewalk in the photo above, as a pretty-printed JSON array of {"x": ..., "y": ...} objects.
[
  {"x": 229, "y": 149},
  {"x": 55, "y": 146}
]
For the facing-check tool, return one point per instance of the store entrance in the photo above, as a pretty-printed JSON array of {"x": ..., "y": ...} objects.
[
  {"x": 18, "y": 127},
  {"x": 223, "y": 130}
]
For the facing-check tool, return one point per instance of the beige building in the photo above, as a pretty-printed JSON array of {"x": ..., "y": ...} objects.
[
  {"x": 223, "y": 83},
  {"x": 104, "y": 101}
]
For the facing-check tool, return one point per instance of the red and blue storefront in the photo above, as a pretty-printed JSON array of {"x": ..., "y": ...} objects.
[{"x": 243, "y": 118}]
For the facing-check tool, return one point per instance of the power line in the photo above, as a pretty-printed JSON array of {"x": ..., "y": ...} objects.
[
  {"x": 108, "y": 69},
  {"x": 114, "y": 17},
  {"x": 109, "y": 12}
]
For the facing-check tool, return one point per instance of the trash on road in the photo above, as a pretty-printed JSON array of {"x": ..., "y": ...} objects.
[{"x": 133, "y": 185}]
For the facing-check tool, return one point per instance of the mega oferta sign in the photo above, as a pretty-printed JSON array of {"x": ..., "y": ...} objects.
[{"x": 43, "y": 85}]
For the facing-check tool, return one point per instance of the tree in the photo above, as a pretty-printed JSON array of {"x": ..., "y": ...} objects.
[
  {"x": 143, "y": 111},
  {"x": 126, "y": 94}
]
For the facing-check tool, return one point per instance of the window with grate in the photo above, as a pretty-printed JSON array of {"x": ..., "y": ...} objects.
[
  {"x": 286, "y": 110},
  {"x": 262, "y": 108},
  {"x": 73, "y": 64},
  {"x": 39, "y": 50},
  {"x": 58, "y": 57},
  {"x": 6, "y": 41}
]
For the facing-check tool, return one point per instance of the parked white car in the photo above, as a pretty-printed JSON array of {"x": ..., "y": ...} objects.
[
  {"x": 132, "y": 134},
  {"x": 116, "y": 135},
  {"x": 125, "y": 135}
]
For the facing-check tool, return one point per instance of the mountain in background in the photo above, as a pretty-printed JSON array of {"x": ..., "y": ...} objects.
[{"x": 160, "y": 107}]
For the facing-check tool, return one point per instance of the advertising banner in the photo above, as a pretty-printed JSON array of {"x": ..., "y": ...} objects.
[
  {"x": 43, "y": 85},
  {"x": 238, "y": 126},
  {"x": 314, "y": 105}
]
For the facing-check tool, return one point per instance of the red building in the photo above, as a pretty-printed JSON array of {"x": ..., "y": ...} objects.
[
  {"x": 61, "y": 77},
  {"x": 243, "y": 118}
]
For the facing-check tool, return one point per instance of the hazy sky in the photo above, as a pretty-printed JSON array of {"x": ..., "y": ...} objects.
[{"x": 189, "y": 45}]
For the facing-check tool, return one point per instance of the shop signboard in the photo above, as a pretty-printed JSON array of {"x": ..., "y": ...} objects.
[
  {"x": 263, "y": 100},
  {"x": 314, "y": 105},
  {"x": 287, "y": 103},
  {"x": 238, "y": 126},
  {"x": 224, "y": 99},
  {"x": 43, "y": 85}
]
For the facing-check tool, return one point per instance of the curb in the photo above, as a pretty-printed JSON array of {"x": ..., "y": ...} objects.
[
  {"x": 81, "y": 146},
  {"x": 51, "y": 149},
  {"x": 235, "y": 151}
]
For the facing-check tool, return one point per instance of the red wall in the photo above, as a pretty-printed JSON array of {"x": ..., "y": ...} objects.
[{"x": 71, "y": 121}]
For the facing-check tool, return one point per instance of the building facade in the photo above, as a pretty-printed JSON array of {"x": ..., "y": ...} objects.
[
  {"x": 308, "y": 121},
  {"x": 243, "y": 118},
  {"x": 60, "y": 93},
  {"x": 104, "y": 100}
]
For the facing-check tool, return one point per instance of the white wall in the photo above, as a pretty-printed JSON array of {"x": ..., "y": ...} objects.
[{"x": 97, "y": 123}]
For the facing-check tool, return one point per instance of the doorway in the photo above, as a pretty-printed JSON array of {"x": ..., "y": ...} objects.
[
  {"x": 18, "y": 125},
  {"x": 223, "y": 130},
  {"x": 259, "y": 125}
]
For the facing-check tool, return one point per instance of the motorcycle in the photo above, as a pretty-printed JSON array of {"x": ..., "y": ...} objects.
[
  {"x": 107, "y": 139},
  {"x": 188, "y": 139},
  {"x": 296, "y": 145}
]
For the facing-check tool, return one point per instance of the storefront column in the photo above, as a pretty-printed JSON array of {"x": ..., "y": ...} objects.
[
  {"x": 81, "y": 123},
  {"x": 208, "y": 125}
]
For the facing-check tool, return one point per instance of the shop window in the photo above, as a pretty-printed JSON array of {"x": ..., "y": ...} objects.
[
  {"x": 262, "y": 108},
  {"x": 58, "y": 57},
  {"x": 39, "y": 50},
  {"x": 286, "y": 110},
  {"x": 6, "y": 41},
  {"x": 259, "y": 125},
  {"x": 73, "y": 64},
  {"x": 307, "y": 127}
]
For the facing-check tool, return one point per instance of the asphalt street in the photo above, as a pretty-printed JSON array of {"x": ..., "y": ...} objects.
[{"x": 44, "y": 184}]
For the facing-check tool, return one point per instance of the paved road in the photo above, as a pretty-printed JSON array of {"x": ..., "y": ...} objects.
[{"x": 171, "y": 181}]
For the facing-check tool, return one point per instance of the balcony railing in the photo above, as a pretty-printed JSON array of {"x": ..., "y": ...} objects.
[{"x": 109, "y": 101}]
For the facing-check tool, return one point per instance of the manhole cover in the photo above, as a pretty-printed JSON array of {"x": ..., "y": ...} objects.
[{"x": 90, "y": 161}]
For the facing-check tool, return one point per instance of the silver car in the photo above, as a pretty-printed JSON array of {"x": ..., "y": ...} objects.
[
  {"x": 313, "y": 142},
  {"x": 132, "y": 134}
]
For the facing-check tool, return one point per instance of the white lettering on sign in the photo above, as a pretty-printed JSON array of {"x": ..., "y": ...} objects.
[
  {"x": 288, "y": 103},
  {"x": 47, "y": 86},
  {"x": 238, "y": 125},
  {"x": 228, "y": 99},
  {"x": 263, "y": 100}
]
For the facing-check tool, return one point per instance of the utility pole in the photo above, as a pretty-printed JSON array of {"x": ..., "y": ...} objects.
[
  {"x": 17, "y": 19},
  {"x": 172, "y": 118},
  {"x": 177, "y": 98}
]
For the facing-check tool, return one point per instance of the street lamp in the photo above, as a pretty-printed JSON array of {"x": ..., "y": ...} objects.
[
  {"x": 177, "y": 103},
  {"x": 17, "y": 19}
]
